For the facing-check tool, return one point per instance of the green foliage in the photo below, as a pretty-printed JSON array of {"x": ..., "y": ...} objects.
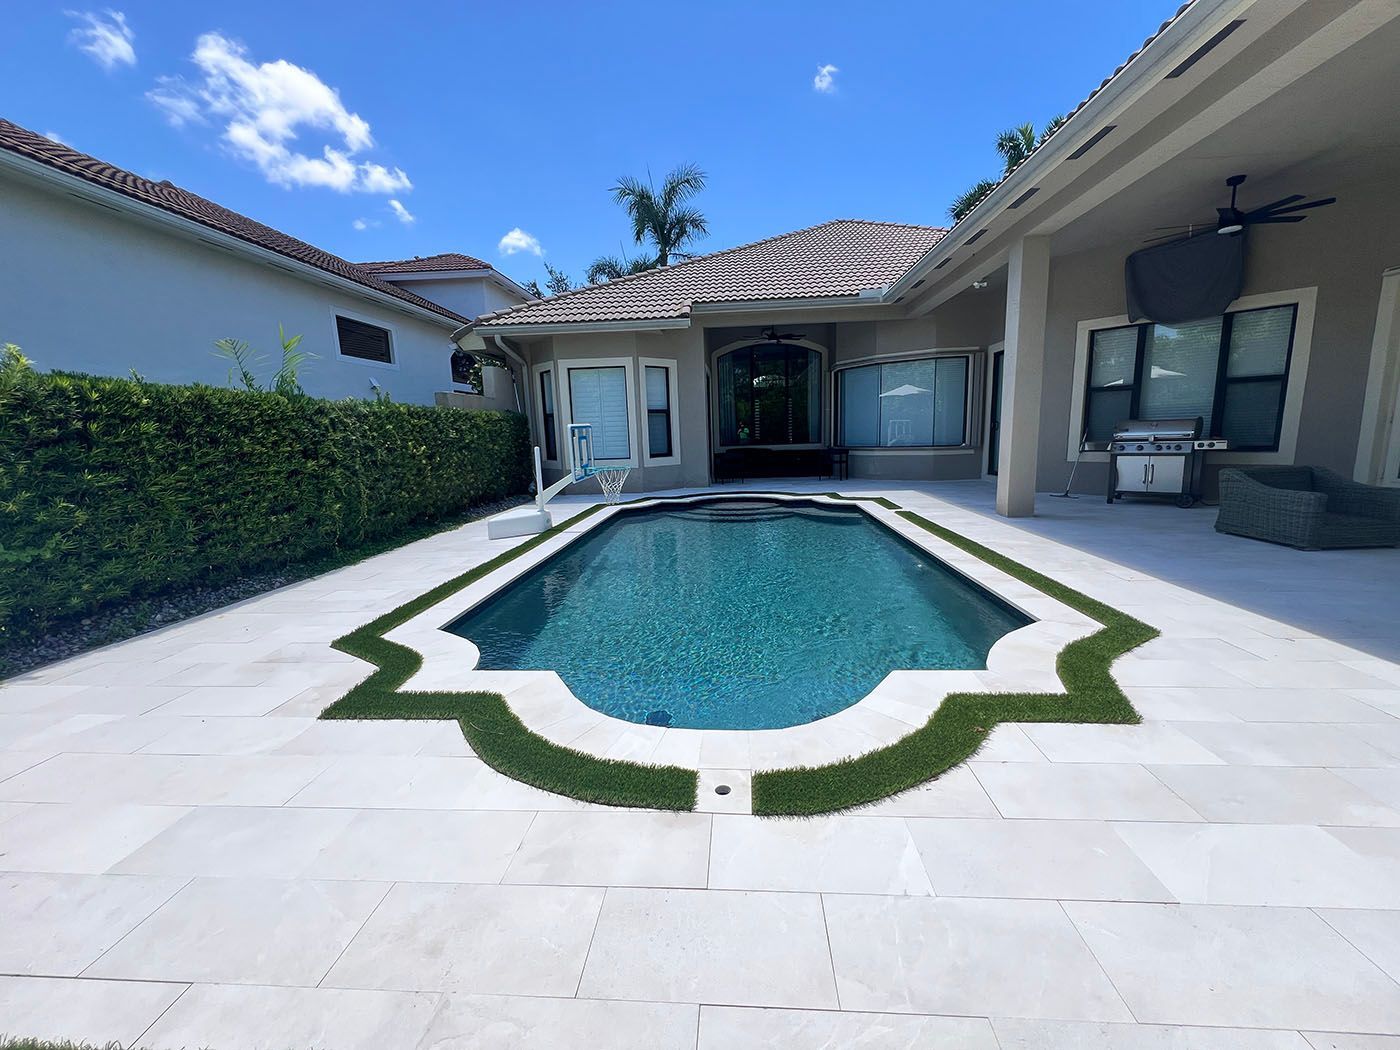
[
  {"x": 243, "y": 361},
  {"x": 497, "y": 736},
  {"x": 611, "y": 267},
  {"x": 112, "y": 489},
  {"x": 1014, "y": 145},
  {"x": 661, "y": 219},
  {"x": 963, "y": 720}
]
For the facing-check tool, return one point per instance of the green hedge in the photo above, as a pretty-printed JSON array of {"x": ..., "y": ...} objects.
[{"x": 115, "y": 488}]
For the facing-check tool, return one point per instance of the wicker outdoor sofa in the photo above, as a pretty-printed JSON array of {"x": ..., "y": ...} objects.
[{"x": 1307, "y": 507}]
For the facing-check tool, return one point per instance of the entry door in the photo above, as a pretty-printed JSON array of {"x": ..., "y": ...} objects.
[{"x": 994, "y": 415}]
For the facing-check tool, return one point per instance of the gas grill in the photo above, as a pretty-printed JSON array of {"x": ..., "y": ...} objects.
[{"x": 1159, "y": 457}]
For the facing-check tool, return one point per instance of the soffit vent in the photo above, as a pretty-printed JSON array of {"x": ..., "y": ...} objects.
[
  {"x": 1098, "y": 137},
  {"x": 1205, "y": 49},
  {"x": 1024, "y": 197},
  {"x": 976, "y": 236},
  {"x": 943, "y": 262}
]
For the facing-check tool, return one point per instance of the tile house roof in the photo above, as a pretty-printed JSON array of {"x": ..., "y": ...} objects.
[
  {"x": 427, "y": 264},
  {"x": 171, "y": 198},
  {"x": 838, "y": 258}
]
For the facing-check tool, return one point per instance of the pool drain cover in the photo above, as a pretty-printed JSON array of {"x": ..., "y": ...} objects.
[
  {"x": 659, "y": 718},
  {"x": 723, "y": 789}
]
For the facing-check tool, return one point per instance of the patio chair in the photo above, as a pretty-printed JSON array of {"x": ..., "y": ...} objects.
[{"x": 1310, "y": 508}]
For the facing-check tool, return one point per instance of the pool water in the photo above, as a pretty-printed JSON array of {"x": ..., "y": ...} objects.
[{"x": 736, "y": 614}]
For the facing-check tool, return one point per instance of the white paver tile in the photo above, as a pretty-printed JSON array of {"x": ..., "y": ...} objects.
[
  {"x": 244, "y": 931},
  {"x": 1246, "y": 967},
  {"x": 1376, "y": 934},
  {"x": 1351, "y": 1041},
  {"x": 1148, "y": 743},
  {"x": 1275, "y": 795},
  {"x": 1263, "y": 864},
  {"x": 506, "y": 1022},
  {"x": 1283, "y": 744},
  {"x": 513, "y": 940},
  {"x": 93, "y": 1012},
  {"x": 835, "y": 854},
  {"x": 57, "y": 925},
  {"x": 239, "y": 842},
  {"x": 1080, "y": 791},
  {"x": 1046, "y": 859},
  {"x": 81, "y": 839},
  {"x": 250, "y": 1017},
  {"x": 1077, "y": 1035},
  {"x": 617, "y": 848},
  {"x": 406, "y": 845},
  {"x": 749, "y": 1028},
  {"x": 954, "y": 956},
  {"x": 711, "y": 946},
  {"x": 165, "y": 780},
  {"x": 956, "y": 793}
]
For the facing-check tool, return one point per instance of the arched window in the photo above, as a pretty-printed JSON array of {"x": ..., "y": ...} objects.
[{"x": 770, "y": 394}]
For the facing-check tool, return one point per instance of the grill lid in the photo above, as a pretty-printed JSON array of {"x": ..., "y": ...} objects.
[{"x": 1158, "y": 429}]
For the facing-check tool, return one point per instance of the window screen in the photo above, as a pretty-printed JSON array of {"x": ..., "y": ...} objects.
[{"x": 364, "y": 341}]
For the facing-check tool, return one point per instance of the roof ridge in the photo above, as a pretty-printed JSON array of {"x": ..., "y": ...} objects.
[
  {"x": 167, "y": 197},
  {"x": 625, "y": 278},
  {"x": 423, "y": 258}
]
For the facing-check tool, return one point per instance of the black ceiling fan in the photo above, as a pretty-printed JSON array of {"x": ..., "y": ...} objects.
[
  {"x": 1233, "y": 221},
  {"x": 772, "y": 335}
]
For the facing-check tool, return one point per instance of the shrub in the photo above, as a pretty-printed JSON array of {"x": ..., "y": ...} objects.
[{"x": 119, "y": 488}]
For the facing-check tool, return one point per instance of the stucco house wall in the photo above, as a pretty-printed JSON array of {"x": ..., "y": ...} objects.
[{"x": 96, "y": 291}]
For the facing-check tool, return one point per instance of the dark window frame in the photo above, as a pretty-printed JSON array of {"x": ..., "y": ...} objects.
[
  {"x": 1223, "y": 380},
  {"x": 968, "y": 395},
  {"x": 664, "y": 412},
  {"x": 548, "y": 419},
  {"x": 341, "y": 319}
]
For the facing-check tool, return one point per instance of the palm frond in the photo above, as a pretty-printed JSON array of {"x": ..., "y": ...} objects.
[{"x": 967, "y": 200}]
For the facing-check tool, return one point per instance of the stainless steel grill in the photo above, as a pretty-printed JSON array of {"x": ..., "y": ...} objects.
[{"x": 1159, "y": 457}]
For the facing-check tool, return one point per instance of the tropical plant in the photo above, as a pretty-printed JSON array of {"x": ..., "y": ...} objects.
[
  {"x": 558, "y": 282},
  {"x": 662, "y": 219},
  {"x": 244, "y": 362},
  {"x": 1014, "y": 145},
  {"x": 611, "y": 267}
]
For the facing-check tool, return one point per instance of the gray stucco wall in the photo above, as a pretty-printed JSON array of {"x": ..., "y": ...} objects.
[{"x": 87, "y": 289}]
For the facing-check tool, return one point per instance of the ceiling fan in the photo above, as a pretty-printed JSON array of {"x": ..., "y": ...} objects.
[
  {"x": 772, "y": 335},
  {"x": 1233, "y": 221}
]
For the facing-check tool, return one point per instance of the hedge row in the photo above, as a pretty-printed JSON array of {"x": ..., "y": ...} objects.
[{"x": 114, "y": 488}]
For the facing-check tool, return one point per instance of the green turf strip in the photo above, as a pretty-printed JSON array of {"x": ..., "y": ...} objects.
[
  {"x": 960, "y": 725},
  {"x": 951, "y": 735}
]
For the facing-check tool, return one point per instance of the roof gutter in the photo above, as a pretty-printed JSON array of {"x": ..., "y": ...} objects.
[
  {"x": 1198, "y": 19},
  {"x": 100, "y": 195},
  {"x": 545, "y": 328}
]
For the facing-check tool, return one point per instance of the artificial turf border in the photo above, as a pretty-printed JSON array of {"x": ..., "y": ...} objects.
[
  {"x": 951, "y": 735},
  {"x": 962, "y": 721}
]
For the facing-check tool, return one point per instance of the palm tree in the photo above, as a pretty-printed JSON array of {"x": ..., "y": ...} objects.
[
  {"x": 1014, "y": 145},
  {"x": 663, "y": 219},
  {"x": 611, "y": 267}
]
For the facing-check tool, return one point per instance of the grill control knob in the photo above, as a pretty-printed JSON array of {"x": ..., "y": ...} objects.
[{"x": 1139, "y": 448}]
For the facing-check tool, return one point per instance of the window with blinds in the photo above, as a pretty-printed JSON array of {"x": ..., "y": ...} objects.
[
  {"x": 1232, "y": 371},
  {"x": 598, "y": 396},
  {"x": 365, "y": 342},
  {"x": 904, "y": 404}
]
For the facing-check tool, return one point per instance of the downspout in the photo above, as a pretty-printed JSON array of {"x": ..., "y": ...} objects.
[{"x": 514, "y": 382}]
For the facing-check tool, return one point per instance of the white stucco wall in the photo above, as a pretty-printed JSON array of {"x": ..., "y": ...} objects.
[{"x": 84, "y": 288}]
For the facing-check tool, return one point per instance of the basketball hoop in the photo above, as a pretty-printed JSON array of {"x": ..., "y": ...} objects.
[{"x": 611, "y": 480}]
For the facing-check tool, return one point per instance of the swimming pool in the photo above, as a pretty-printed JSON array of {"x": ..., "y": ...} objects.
[{"x": 736, "y": 614}]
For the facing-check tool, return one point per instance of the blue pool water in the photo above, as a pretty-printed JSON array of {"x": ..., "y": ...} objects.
[{"x": 736, "y": 614}]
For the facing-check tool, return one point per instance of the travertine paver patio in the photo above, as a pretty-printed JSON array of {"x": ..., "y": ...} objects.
[{"x": 189, "y": 858}]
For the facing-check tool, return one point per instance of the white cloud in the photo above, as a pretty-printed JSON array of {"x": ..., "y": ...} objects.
[
  {"x": 362, "y": 224},
  {"x": 54, "y": 136},
  {"x": 825, "y": 80},
  {"x": 265, "y": 108},
  {"x": 106, "y": 37},
  {"x": 404, "y": 215},
  {"x": 517, "y": 240}
]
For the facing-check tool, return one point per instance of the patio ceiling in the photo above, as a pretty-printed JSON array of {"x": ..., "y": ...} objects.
[{"x": 1296, "y": 92}]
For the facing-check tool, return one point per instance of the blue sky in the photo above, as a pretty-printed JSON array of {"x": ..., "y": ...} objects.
[{"x": 386, "y": 131}]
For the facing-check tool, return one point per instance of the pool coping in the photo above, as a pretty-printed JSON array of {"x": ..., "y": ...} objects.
[{"x": 1021, "y": 660}]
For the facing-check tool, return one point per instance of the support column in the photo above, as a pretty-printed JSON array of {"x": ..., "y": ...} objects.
[{"x": 1023, "y": 366}]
